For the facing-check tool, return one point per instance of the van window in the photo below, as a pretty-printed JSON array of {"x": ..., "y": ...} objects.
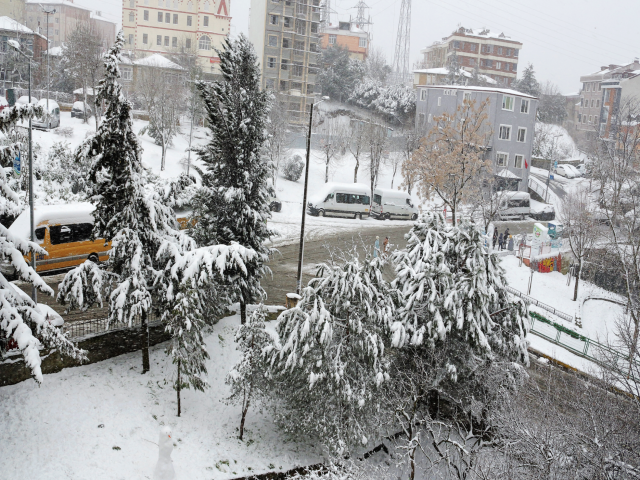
[
  {"x": 377, "y": 199},
  {"x": 60, "y": 234},
  {"x": 341, "y": 197},
  {"x": 40, "y": 234},
  {"x": 519, "y": 203},
  {"x": 80, "y": 232},
  {"x": 409, "y": 202},
  {"x": 329, "y": 197},
  {"x": 57, "y": 111},
  {"x": 352, "y": 198}
]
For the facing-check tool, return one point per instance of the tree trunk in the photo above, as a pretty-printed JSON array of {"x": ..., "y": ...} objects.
[
  {"x": 243, "y": 313},
  {"x": 164, "y": 153},
  {"x": 575, "y": 290},
  {"x": 244, "y": 414},
  {"x": 144, "y": 327},
  {"x": 355, "y": 171},
  {"x": 453, "y": 216},
  {"x": 326, "y": 172},
  {"x": 178, "y": 387}
]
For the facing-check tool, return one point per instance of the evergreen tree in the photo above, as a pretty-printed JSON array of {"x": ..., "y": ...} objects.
[
  {"x": 24, "y": 324},
  {"x": 329, "y": 367},
  {"x": 248, "y": 380},
  {"x": 527, "y": 83},
  {"x": 339, "y": 73},
  {"x": 233, "y": 204},
  {"x": 135, "y": 223},
  {"x": 454, "y": 74}
]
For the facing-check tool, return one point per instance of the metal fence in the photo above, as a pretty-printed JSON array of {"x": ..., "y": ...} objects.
[
  {"x": 537, "y": 303},
  {"x": 539, "y": 189},
  {"x": 98, "y": 326}
]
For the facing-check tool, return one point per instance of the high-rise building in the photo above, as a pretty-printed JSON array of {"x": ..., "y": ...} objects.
[
  {"x": 285, "y": 34},
  {"x": 177, "y": 26},
  {"x": 65, "y": 20},
  {"x": 492, "y": 54},
  {"x": 347, "y": 35},
  {"x": 14, "y": 9}
]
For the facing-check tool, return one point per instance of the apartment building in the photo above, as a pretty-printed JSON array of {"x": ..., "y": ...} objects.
[
  {"x": 15, "y": 68},
  {"x": 620, "y": 98},
  {"x": 65, "y": 20},
  {"x": 177, "y": 26},
  {"x": 14, "y": 9},
  {"x": 347, "y": 35},
  {"x": 492, "y": 54},
  {"x": 512, "y": 116},
  {"x": 286, "y": 37},
  {"x": 591, "y": 95}
]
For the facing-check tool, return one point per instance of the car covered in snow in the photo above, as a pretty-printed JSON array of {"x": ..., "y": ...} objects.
[
  {"x": 51, "y": 117},
  {"x": 565, "y": 171},
  {"x": 24, "y": 100},
  {"x": 78, "y": 110},
  {"x": 542, "y": 211}
]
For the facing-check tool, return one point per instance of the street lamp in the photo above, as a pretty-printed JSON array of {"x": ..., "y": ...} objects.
[
  {"x": 16, "y": 46},
  {"x": 47, "y": 13},
  {"x": 304, "y": 199}
]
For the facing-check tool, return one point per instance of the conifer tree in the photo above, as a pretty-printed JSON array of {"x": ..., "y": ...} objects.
[
  {"x": 233, "y": 205},
  {"x": 23, "y": 323},
  {"x": 527, "y": 83}
]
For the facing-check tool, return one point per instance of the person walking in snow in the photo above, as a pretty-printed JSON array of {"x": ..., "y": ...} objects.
[
  {"x": 506, "y": 235},
  {"x": 376, "y": 247},
  {"x": 500, "y": 242},
  {"x": 385, "y": 246},
  {"x": 495, "y": 237}
]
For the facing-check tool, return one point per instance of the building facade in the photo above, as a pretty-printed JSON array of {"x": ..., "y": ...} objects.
[
  {"x": 512, "y": 116},
  {"x": 286, "y": 36},
  {"x": 65, "y": 20},
  {"x": 14, "y": 68},
  {"x": 196, "y": 27},
  {"x": 493, "y": 55},
  {"x": 438, "y": 76},
  {"x": 14, "y": 9},
  {"x": 347, "y": 35},
  {"x": 620, "y": 99}
]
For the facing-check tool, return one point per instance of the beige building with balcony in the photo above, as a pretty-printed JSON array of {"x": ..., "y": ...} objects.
[
  {"x": 177, "y": 26},
  {"x": 286, "y": 36}
]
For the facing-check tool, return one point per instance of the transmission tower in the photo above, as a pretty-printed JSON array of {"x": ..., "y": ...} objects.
[
  {"x": 401, "y": 56},
  {"x": 361, "y": 19}
]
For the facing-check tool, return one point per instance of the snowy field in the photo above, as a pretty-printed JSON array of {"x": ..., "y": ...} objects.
[{"x": 54, "y": 431}]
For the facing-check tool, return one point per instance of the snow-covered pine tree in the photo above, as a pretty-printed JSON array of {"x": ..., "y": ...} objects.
[
  {"x": 454, "y": 295},
  {"x": 233, "y": 205},
  {"x": 23, "y": 321},
  {"x": 133, "y": 221},
  {"x": 528, "y": 83},
  {"x": 247, "y": 379},
  {"x": 454, "y": 73},
  {"x": 329, "y": 365}
]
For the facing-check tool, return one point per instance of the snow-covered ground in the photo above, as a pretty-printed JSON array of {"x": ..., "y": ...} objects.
[{"x": 69, "y": 427}]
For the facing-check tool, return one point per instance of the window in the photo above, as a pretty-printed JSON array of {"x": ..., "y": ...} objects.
[
  {"x": 456, "y": 45},
  {"x": 132, "y": 17},
  {"x": 508, "y": 52},
  {"x": 206, "y": 6},
  {"x": 420, "y": 122},
  {"x": 287, "y": 22},
  {"x": 472, "y": 61},
  {"x": 590, "y": 118},
  {"x": 309, "y": 89},
  {"x": 332, "y": 39},
  {"x": 273, "y": 19},
  {"x": 472, "y": 47},
  {"x": 507, "y": 102},
  {"x": 522, "y": 135},
  {"x": 127, "y": 73},
  {"x": 584, "y": 119},
  {"x": 301, "y": 27},
  {"x": 57, "y": 20},
  {"x": 296, "y": 69},
  {"x": 57, "y": 32},
  {"x": 599, "y": 84},
  {"x": 362, "y": 43},
  {"x": 524, "y": 106},
  {"x": 518, "y": 161},
  {"x": 146, "y": 15},
  {"x": 579, "y": 118},
  {"x": 283, "y": 85},
  {"x": 271, "y": 83},
  {"x": 504, "y": 133},
  {"x": 285, "y": 64},
  {"x": 273, "y": 41},
  {"x": 190, "y": 6},
  {"x": 80, "y": 232},
  {"x": 296, "y": 86},
  {"x": 205, "y": 20},
  {"x": 204, "y": 43},
  {"x": 286, "y": 43},
  {"x": 145, "y": 38},
  {"x": 498, "y": 65},
  {"x": 439, "y": 101},
  {"x": 159, "y": 40},
  {"x": 160, "y": 17},
  {"x": 423, "y": 94},
  {"x": 466, "y": 97},
  {"x": 189, "y": 20},
  {"x": 588, "y": 85},
  {"x": 298, "y": 45},
  {"x": 167, "y": 18},
  {"x": 499, "y": 50},
  {"x": 175, "y": 18},
  {"x": 132, "y": 4},
  {"x": 174, "y": 42},
  {"x": 314, "y": 28},
  {"x": 131, "y": 39},
  {"x": 312, "y": 47},
  {"x": 489, "y": 63},
  {"x": 597, "y": 103},
  {"x": 166, "y": 41},
  {"x": 187, "y": 43},
  {"x": 271, "y": 62},
  {"x": 515, "y": 52},
  {"x": 592, "y": 103},
  {"x": 502, "y": 159}
]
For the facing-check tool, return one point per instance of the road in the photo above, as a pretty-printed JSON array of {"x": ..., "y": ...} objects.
[{"x": 556, "y": 186}]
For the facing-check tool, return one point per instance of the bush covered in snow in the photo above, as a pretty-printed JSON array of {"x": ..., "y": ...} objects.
[
  {"x": 397, "y": 103},
  {"x": 293, "y": 168}
]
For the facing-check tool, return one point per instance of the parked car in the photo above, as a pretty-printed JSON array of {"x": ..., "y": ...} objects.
[
  {"x": 582, "y": 168},
  {"x": 565, "y": 171},
  {"x": 78, "y": 109},
  {"x": 349, "y": 200},
  {"x": 392, "y": 204},
  {"x": 51, "y": 119},
  {"x": 574, "y": 170},
  {"x": 542, "y": 211},
  {"x": 23, "y": 100},
  {"x": 275, "y": 204}
]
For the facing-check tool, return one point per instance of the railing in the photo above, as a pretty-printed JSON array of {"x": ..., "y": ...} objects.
[
  {"x": 537, "y": 303},
  {"x": 59, "y": 97},
  {"x": 97, "y": 326},
  {"x": 539, "y": 189}
]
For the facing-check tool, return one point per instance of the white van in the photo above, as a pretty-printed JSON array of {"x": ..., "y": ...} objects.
[
  {"x": 392, "y": 204},
  {"x": 350, "y": 200},
  {"x": 51, "y": 118},
  {"x": 514, "y": 204}
]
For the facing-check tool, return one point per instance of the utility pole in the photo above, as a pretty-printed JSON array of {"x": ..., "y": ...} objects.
[{"x": 47, "y": 13}]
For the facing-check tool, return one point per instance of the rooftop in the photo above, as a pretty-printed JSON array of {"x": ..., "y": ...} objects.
[
  {"x": 476, "y": 32},
  {"x": 506, "y": 91},
  {"x": 65, "y": 3},
  {"x": 157, "y": 60},
  {"x": 8, "y": 23},
  {"x": 445, "y": 71}
]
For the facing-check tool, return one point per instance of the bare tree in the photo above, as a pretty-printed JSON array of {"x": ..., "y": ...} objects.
[
  {"x": 332, "y": 142},
  {"x": 411, "y": 142},
  {"x": 277, "y": 143},
  {"x": 357, "y": 144},
  {"x": 452, "y": 157},
  {"x": 377, "y": 140},
  {"x": 163, "y": 95},
  {"x": 579, "y": 224}
]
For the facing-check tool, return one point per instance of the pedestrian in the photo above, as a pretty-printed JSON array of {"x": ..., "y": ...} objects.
[
  {"x": 376, "y": 247},
  {"x": 500, "y": 242},
  {"x": 385, "y": 246},
  {"x": 510, "y": 247},
  {"x": 495, "y": 237},
  {"x": 506, "y": 235}
]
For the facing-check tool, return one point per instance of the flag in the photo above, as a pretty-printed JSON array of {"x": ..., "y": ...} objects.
[{"x": 526, "y": 165}]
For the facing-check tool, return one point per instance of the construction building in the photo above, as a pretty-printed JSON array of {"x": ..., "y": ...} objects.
[
  {"x": 492, "y": 54},
  {"x": 194, "y": 27},
  {"x": 65, "y": 20},
  {"x": 13, "y": 67},
  {"x": 286, "y": 36},
  {"x": 347, "y": 35}
]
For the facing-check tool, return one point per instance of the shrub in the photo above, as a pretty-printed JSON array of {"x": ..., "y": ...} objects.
[{"x": 292, "y": 168}]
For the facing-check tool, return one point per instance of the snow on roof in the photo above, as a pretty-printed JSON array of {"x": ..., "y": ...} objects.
[
  {"x": 504, "y": 173},
  {"x": 79, "y": 91},
  {"x": 506, "y": 91},
  {"x": 52, "y": 215},
  {"x": 66, "y": 3},
  {"x": 157, "y": 60},
  {"x": 463, "y": 72},
  {"x": 392, "y": 193},
  {"x": 54, "y": 51},
  {"x": 8, "y": 23}
]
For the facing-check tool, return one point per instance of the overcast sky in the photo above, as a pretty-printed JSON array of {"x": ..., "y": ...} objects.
[{"x": 562, "y": 38}]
